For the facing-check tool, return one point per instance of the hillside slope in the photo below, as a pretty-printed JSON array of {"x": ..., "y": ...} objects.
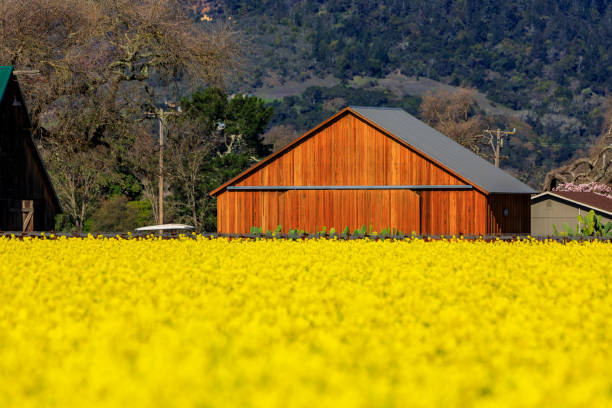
[{"x": 547, "y": 59}]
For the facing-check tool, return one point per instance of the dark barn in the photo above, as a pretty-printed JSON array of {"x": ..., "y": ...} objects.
[
  {"x": 376, "y": 167},
  {"x": 27, "y": 199}
]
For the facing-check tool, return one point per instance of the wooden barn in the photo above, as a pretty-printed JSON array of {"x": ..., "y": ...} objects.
[
  {"x": 27, "y": 199},
  {"x": 378, "y": 167}
]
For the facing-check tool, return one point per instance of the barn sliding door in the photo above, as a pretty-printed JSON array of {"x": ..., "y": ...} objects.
[{"x": 311, "y": 210}]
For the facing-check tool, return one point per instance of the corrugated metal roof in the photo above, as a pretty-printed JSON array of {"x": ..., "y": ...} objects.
[
  {"x": 444, "y": 150},
  {"x": 5, "y": 76}
]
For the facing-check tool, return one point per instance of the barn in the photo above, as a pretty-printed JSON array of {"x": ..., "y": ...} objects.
[
  {"x": 27, "y": 199},
  {"x": 378, "y": 167}
]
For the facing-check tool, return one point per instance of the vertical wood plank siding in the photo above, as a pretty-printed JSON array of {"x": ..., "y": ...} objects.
[
  {"x": 349, "y": 152},
  {"x": 453, "y": 212},
  {"x": 22, "y": 174},
  {"x": 518, "y": 218},
  {"x": 311, "y": 210}
]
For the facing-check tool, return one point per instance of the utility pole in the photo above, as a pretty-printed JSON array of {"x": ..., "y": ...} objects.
[
  {"x": 161, "y": 168},
  {"x": 162, "y": 115},
  {"x": 496, "y": 141}
]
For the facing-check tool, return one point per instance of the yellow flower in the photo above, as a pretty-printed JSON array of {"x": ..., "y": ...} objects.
[{"x": 326, "y": 323}]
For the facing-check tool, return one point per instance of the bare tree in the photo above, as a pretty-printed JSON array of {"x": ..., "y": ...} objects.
[
  {"x": 280, "y": 135},
  {"x": 189, "y": 146},
  {"x": 141, "y": 156},
  {"x": 99, "y": 64},
  {"x": 595, "y": 168},
  {"x": 452, "y": 113},
  {"x": 76, "y": 43},
  {"x": 78, "y": 176}
]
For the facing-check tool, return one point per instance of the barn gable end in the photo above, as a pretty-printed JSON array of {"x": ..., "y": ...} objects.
[{"x": 349, "y": 152}]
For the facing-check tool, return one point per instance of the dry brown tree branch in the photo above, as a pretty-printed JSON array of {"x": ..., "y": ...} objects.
[
  {"x": 597, "y": 167},
  {"x": 451, "y": 114},
  {"x": 97, "y": 59}
]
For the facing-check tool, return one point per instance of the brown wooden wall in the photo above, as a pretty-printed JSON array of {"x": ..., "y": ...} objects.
[
  {"x": 311, "y": 210},
  {"x": 453, "y": 212},
  {"x": 349, "y": 152},
  {"x": 346, "y": 152},
  {"x": 426, "y": 212},
  {"x": 518, "y": 219}
]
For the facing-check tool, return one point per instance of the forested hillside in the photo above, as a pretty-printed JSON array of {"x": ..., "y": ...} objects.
[{"x": 548, "y": 59}]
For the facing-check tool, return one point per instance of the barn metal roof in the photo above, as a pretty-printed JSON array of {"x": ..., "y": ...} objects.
[
  {"x": 443, "y": 149},
  {"x": 5, "y": 77}
]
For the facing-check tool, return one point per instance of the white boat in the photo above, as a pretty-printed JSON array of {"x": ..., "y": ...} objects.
[{"x": 165, "y": 227}]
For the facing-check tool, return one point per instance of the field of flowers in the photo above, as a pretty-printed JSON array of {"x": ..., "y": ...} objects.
[{"x": 217, "y": 323}]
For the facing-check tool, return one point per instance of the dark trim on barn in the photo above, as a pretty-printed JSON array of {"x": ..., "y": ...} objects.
[{"x": 392, "y": 187}]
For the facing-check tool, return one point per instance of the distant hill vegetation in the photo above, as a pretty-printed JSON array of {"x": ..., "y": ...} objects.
[
  {"x": 549, "y": 60},
  {"x": 504, "y": 48}
]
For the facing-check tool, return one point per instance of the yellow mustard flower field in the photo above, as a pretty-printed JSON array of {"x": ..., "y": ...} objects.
[{"x": 314, "y": 323}]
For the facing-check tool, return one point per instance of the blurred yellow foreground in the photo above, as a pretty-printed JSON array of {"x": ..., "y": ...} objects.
[{"x": 218, "y": 323}]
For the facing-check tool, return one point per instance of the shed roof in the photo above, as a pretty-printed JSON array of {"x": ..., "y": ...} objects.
[
  {"x": 587, "y": 199},
  {"x": 5, "y": 77},
  {"x": 444, "y": 150},
  {"x": 423, "y": 138}
]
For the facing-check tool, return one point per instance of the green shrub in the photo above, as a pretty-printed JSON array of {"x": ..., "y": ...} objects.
[
  {"x": 256, "y": 231},
  {"x": 345, "y": 233},
  {"x": 117, "y": 214},
  {"x": 588, "y": 225},
  {"x": 591, "y": 224}
]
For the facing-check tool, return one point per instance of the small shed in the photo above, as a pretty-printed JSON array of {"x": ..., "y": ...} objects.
[
  {"x": 561, "y": 207},
  {"x": 378, "y": 167},
  {"x": 28, "y": 201}
]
